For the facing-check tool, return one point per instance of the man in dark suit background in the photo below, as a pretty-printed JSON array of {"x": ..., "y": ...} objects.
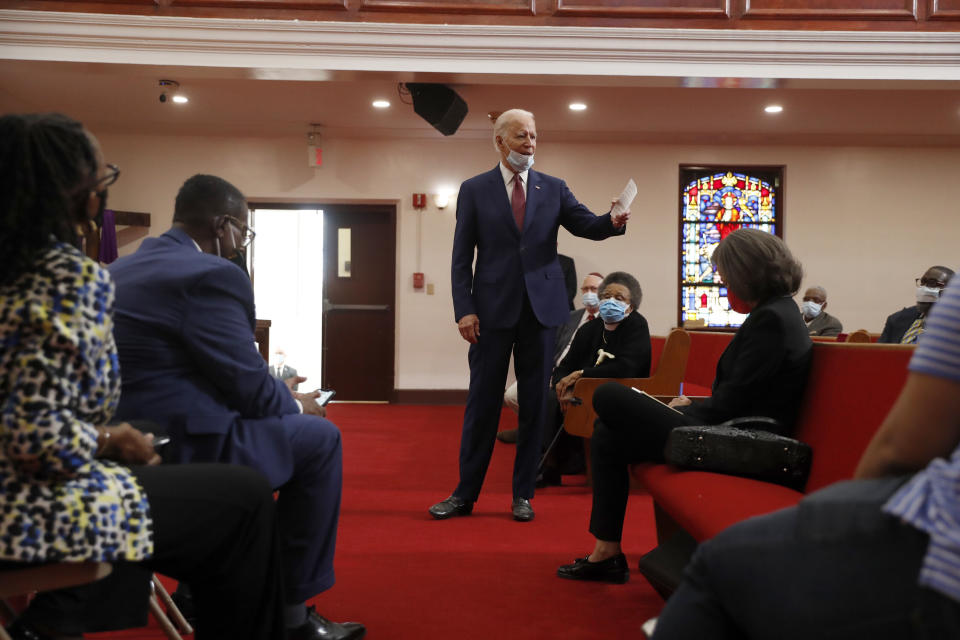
[
  {"x": 589, "y": 291},
  {"x": 569, "y": 268},
  {"x": 906, "y": 325},
  {"x": 184, "y": 325},
  {"x": 512, "y": 300}
]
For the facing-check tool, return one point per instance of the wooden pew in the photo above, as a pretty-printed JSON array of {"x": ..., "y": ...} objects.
[{"x": 665, "y": 381}]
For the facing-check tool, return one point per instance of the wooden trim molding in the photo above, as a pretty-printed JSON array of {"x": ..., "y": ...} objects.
[
  {"x": 616, "y": 9},
  {"x": 468, "y": 49},
  {"x": 943, "y": 10},
  {"x": 312, "y": 5},
  {"x": 849, "y": 10},
  {"x": 429, "y": 396},
  {"x": 131, "y": 218},
  {"x": 516, "y": 8}
]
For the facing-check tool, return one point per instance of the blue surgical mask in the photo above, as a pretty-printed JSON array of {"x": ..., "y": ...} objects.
[
  {"x": 612, "y": 311},
  {"x": 519, "y": 161},
  {"x": 590, "y": 299}
]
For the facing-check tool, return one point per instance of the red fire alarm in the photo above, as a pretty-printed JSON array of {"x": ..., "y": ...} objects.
[
  {"x": 419, "y": 200},
  {"x": 418, "y": 281}
]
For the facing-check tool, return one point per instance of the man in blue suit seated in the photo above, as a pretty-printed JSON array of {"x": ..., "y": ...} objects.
[
  {"x": 511, "y": 301},
  {"x": 184, "y": 327}
]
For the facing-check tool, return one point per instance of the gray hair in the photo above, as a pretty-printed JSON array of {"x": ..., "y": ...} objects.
[
  {"x": 505, "y": 119},
  {"x": 820, "y": 290},
  {"x": 628, "y": 281},
  {"x": 757, "y": 265}
]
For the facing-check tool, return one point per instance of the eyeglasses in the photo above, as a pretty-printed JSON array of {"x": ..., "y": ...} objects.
[
  {"x": 246, "y": 232},
  {"x": 113, "y": 172},
  {"x": 933, "y": 283}
]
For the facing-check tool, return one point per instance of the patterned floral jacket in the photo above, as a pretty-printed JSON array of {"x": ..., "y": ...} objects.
[{"x": 59, "y": 376}]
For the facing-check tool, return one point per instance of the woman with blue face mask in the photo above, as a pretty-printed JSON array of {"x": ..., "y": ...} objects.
[{"x": 616, "y": 344}]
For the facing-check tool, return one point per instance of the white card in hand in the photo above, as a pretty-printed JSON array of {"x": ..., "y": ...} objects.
[{"x": 626, "y": 197}]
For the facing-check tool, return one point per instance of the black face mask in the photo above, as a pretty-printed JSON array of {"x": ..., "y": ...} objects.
[{"x": 240, "y": 259}]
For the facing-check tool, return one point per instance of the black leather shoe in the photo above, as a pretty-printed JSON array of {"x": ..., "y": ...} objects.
[
  {"x": 21, "y": 630},
  {"x": 452, "y": 506},
  {"x": 184, "y": 601},
  {"x": 613, "y": 570},
  {"x": 508, "y": 435},
  {"x": 319, "y": 628},
  {"x": 522, "y": 510}
]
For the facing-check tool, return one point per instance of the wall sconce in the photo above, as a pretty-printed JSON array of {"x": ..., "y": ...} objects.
[{"x": 442, "y": 198}]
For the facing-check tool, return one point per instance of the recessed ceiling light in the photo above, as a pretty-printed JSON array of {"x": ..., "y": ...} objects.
[
  {"x": 577, "y": 106},
  {"x": 381, "y": 104},
  {"x": 773, "y": 108},
  {"x": 181, "y": 99}
]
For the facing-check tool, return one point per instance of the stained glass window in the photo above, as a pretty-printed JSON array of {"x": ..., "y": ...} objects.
[{"x": 714, "y": 203}]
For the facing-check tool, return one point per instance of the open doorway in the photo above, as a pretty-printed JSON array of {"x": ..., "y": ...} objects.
[
  {"x": 287, "y": 267},
  {"x": 325, "y": 276}
]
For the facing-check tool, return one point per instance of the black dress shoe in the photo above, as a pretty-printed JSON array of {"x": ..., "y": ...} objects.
[
  {"x": 452, "y": 506},
  {"x": 319, "y": 628},
  {"x": 184, "y": 601},
  {"x": 614, "y": 570},
  {"x": 21, "y": 630},
  {"x": 522, "y": 510},
  {"x": 508, "y": 435}
]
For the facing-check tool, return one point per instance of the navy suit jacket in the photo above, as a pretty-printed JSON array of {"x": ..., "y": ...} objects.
[
  {"x": 508, "y": 261},
  {"x": 898, "y": 323},
  {"x": 184, "y": 323}
]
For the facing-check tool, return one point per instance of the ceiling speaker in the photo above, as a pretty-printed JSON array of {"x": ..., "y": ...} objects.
[{"x": 439, "y": 105}]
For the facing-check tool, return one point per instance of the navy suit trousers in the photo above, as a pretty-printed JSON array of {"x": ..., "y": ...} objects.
[
  {"x": 532, "y": 346},
  {"x": 308, "y": 506}
]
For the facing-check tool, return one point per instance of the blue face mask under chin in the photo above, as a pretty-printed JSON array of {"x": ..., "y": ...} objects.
[{"x": 519, "y": 161}]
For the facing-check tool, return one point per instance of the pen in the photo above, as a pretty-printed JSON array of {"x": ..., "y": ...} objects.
[{"x": 681, "y": 388}]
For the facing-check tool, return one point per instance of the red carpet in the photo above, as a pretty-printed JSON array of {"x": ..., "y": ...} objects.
[{"x": 407, "y": 576}]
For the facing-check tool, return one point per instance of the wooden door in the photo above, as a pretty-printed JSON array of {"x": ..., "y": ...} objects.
[{"x": 359, "y": 301}]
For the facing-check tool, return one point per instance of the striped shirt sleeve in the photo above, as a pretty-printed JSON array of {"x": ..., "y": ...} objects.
[{"x": 938, "y": 351}]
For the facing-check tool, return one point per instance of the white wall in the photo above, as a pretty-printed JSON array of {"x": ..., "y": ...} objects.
[{"x": 864, "y": 221}]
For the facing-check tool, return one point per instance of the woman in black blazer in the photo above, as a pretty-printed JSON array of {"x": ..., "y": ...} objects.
[{"x": 762, "y": 372}]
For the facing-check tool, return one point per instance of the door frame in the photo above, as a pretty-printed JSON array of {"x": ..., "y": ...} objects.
[{"x": 388, "y": 207}]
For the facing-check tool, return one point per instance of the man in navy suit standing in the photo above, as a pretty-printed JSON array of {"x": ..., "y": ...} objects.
[
  {"x": 512, "y": 300},
  {"x": 184, "y": 323}
]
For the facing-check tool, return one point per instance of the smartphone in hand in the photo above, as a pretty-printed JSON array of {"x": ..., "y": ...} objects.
[{"x": 325, "y": 396}]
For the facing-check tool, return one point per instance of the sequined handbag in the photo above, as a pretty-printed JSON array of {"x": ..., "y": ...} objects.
[{"x": 742, "y": 447}]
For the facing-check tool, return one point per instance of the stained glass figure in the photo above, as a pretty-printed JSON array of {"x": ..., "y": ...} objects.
[{"x": 714, "y": 205}]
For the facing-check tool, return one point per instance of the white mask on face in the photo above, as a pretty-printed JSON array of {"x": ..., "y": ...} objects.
[
  {"x": 519, "y": 161},
  {"x": 927, "y": 294},
  {"x": 811, "y": 309},
  {"x": 590, "y": 299}
]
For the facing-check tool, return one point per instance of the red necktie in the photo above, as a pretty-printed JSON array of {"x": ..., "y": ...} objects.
[
  {"x": 590, "y": 317},
  {"x": 518, "y": 201}
]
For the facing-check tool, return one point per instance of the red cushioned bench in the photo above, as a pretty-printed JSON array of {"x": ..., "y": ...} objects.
[
  {"x": 706, "y": 347},
  {"x": 849, "y": 392}
]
